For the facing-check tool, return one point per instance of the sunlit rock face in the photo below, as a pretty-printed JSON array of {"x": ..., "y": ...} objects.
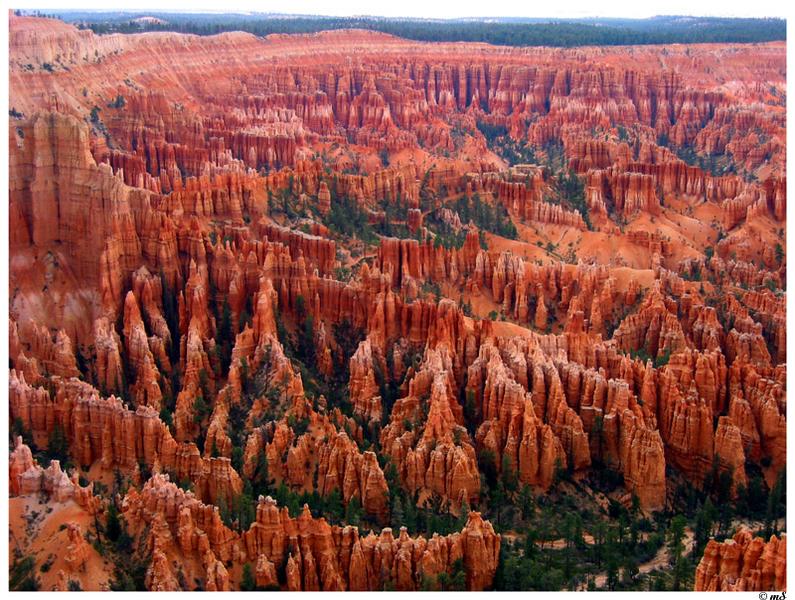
[{"x": 267, "y": 294}]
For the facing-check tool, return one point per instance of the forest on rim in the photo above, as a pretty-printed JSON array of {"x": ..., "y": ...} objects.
[{"x": 507, "y": 32}]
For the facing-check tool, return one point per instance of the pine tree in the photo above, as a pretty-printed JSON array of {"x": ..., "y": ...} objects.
[
  {"x": 334, "y": 505},
  {"x": 677, "y": 533},
  {"x": 612, "y": 572},
  {"x": 113, "y": 525},
  {"x": 398, "y": 516},
  {"x": 261, "y": 477},
  {"x": 247, "y": 583},
  {"x": 57, "y": 445},
  {"x": 509, "y": 477},
  {"x": 773, "y": 505},
  {"x": 704, "y": 521},
  {"x": 225, "y": 336},
  {"x": 353, "y": 511}
]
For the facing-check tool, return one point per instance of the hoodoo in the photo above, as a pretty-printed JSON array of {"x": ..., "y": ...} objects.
[{"x": 347, "y": 311}]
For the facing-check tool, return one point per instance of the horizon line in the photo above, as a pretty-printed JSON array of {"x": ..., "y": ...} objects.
[{"x": 200, "y": 11}]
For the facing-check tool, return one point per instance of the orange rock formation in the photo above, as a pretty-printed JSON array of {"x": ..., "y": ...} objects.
[{"x": 187, "y": 306}]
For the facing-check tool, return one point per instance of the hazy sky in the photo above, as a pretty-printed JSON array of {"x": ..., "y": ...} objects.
[{"x": 448, "y": 8}]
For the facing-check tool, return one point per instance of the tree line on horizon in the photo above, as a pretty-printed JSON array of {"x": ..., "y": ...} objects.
[{"x": 562, "y": 33}]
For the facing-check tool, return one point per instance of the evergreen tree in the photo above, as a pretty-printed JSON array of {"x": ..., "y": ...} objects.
[
  {"x": 676, "y": 534},
  {"x": 612, "y": 572},
  {"x": 247, "y": 583},
  {"x": 237, "y": 458},
  {"x": 201, "y": 410},
  {"x": 22, "y": 574},
  {"x": 334, "y": 505},
  {"x": 261, "y": 478},
  {"x": 57, "y": 445},
  {"x": 526, "y": 501},
  {"x": 113, "y": 524},
  {"x": 509, "y": 477},
  {"x": 398, "y": 517},
  {"x": 225, "y": 336},
  {"x": 704, "y": 520},
  {"x": 774, "y": 503},
  {"x": 353, "y": 511}
]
